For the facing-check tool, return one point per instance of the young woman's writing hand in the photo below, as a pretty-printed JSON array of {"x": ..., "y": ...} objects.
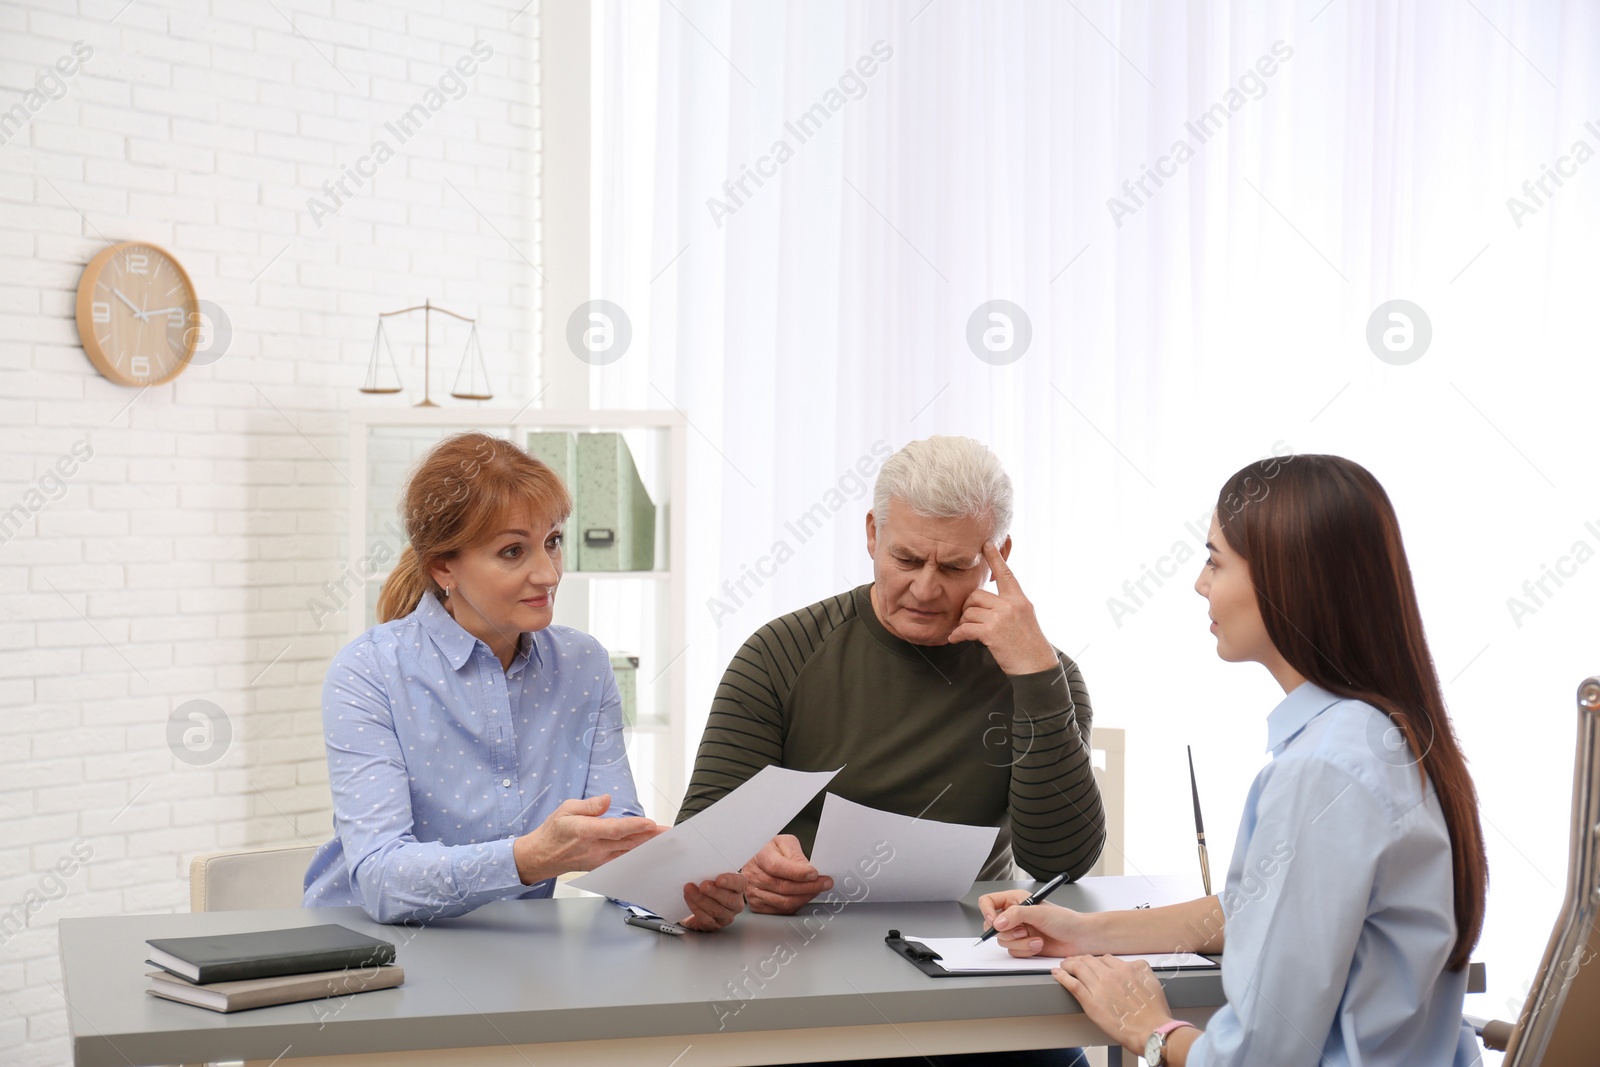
[{"x": 1038, "y": 929}]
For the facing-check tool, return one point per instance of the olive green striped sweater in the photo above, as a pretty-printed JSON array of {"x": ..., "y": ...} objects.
[{"x": 933, "y": 731}]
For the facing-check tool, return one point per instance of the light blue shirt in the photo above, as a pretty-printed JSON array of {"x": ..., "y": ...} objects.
[
  {"x": 1339, "y": 904},
  {"x": 438, "y": 758}
]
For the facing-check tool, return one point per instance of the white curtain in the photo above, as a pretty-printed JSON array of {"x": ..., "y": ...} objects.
[{"x": 1334, "y": 156}]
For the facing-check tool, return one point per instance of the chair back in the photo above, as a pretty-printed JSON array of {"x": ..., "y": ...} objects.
[
  {"x": 1559, "y": 1023},
  {"x": 249, "y": 879},
  {"x": 1107, "y": 755}
]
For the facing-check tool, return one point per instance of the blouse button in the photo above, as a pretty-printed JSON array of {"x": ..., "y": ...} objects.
[{"x": 506, "y": 782}]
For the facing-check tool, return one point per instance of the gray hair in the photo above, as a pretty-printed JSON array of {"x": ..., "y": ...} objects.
[{"x": 947, "y": 478}]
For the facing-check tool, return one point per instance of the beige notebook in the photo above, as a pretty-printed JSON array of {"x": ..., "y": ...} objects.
[{"x": 262, "y": 992}]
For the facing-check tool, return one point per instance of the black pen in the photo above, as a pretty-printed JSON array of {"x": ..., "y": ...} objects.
[
  {"x": 1199, "y": 827},
  {"x": 658, "y": 925},
  {"x": 1036, "y": 897}
]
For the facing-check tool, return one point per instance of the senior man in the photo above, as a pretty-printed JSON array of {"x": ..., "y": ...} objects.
[{"x": 939, "y": 698}]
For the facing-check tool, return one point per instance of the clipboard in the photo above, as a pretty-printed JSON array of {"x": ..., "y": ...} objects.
[{"x": 926, "y": 960}]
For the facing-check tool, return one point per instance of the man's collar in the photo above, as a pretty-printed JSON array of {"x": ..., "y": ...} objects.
[
  {"x": 1295, "y": 711},
  {"x": 930, "y": 654},
  {"x": 455, "y": 641}
]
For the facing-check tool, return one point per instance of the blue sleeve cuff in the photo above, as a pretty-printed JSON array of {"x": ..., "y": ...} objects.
[{"x": 488, "y": 869}]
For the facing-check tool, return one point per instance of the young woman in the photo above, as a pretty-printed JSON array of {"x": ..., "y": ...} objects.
[
  {"x": 476, "y": 751},
  {"x": 1357, "y": 886}
]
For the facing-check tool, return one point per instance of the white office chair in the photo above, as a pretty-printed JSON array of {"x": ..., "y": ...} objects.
[
  {"x": 1558, "y": 1024},
  {"x": 1108, "y": 756},
  {"x": 248, "y": 879}
]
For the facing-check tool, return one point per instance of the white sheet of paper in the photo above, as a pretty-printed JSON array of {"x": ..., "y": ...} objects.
[
  {"x": 960, "y": 954},
  {"x": 930, "y": 860},
  {"x": 721, "y": 838}
]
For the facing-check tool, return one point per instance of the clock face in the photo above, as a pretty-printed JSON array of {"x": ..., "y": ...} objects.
[{"x": 138, "y": 317}]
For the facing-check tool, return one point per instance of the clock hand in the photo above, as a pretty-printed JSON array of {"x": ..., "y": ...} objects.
[
  {"x": 139, "y": 314},
  {"x": 161, "y": 311}
]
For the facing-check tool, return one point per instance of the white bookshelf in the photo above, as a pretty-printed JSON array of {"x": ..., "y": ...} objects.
[{"x": 643, "y": 613}]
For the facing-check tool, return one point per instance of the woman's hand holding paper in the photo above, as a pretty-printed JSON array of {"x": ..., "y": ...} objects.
[{"x": 575, "y": 838}]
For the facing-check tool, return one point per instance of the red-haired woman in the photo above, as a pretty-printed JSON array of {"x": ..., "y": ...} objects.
[
  {"x": 1357, "y": 886},
  {"x": 475, "y": 750}
]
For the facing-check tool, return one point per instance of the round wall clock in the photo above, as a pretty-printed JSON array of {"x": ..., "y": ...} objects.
[{"x": 138, "y": 314}]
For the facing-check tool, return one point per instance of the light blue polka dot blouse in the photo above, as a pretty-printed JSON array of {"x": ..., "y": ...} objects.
[{"x": 438, "y": 758}]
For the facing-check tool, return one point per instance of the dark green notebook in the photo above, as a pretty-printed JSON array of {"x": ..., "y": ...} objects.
[{"x": 268, "y": 953}]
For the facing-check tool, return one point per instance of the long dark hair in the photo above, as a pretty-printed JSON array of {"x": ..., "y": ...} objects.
[{"x": 1335, "y": 592}]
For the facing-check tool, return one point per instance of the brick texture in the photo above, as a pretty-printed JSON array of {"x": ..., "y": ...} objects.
[{"x": 310, "y": 163}]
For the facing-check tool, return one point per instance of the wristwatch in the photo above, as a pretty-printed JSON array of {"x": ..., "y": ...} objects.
[{"x": 1155, "y": 1047}]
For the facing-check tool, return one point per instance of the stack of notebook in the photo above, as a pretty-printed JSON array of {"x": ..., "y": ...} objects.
[{"x": 231, "y": 972}]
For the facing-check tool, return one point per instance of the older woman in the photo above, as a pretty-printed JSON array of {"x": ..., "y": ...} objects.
[{"x": 475, "y": 751}]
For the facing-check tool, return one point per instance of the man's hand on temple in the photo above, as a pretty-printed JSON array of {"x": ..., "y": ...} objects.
[{"x": 1004, "y": 621}]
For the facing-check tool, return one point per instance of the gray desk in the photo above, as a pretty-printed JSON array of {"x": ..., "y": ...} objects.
[{"x": 567, "y": 982}]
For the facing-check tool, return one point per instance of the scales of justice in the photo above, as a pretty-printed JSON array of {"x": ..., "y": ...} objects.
[{"x": 383, "y": 373}]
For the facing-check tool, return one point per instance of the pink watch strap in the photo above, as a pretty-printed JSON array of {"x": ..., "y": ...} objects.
[{"x": 1173, "y": 1025}]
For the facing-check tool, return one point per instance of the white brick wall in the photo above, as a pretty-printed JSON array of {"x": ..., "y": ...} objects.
[{"x": 178, "y": 562}]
